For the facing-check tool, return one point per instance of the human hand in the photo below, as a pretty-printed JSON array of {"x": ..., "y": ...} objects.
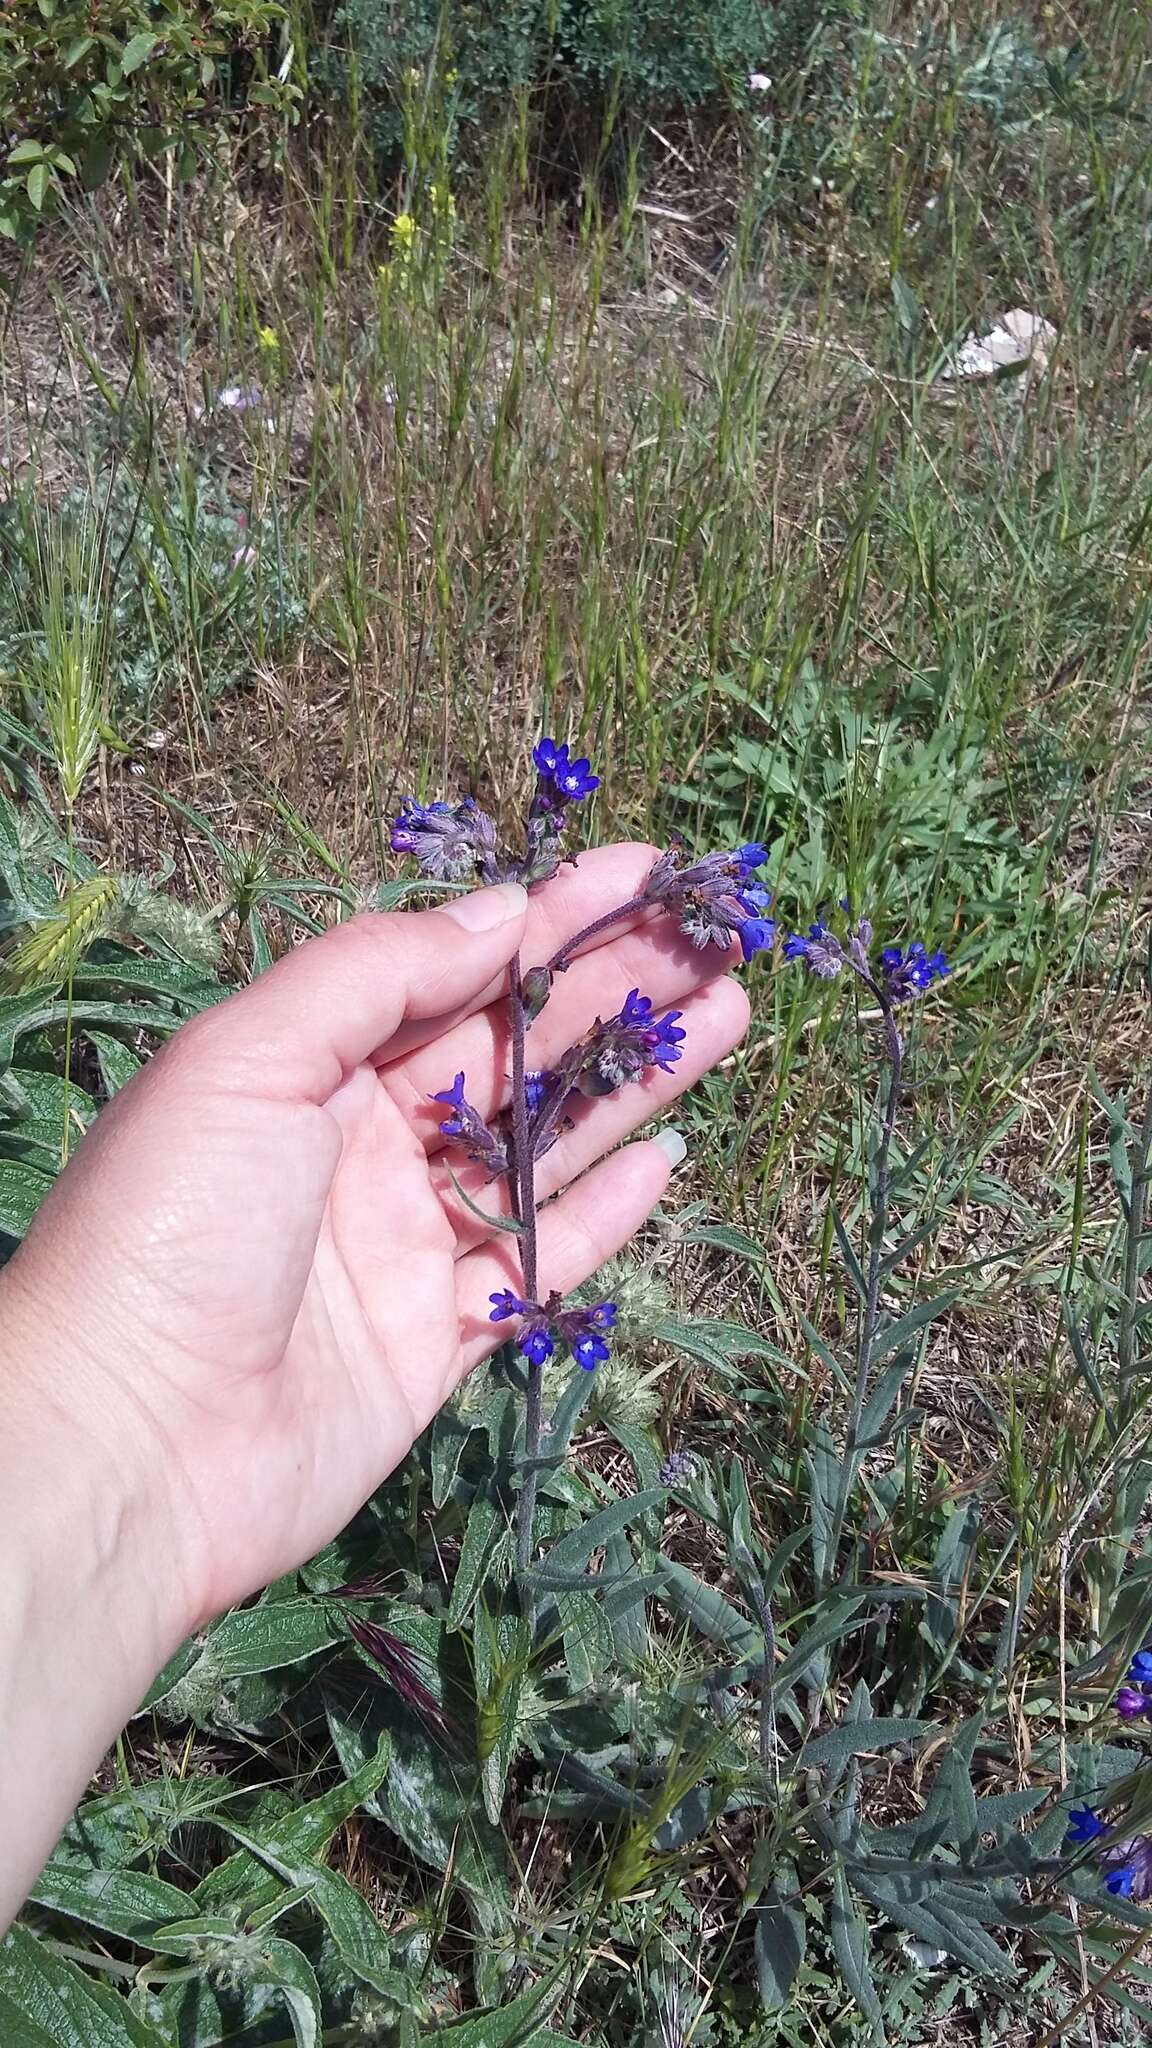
[{"x": 255, "y": 1284}]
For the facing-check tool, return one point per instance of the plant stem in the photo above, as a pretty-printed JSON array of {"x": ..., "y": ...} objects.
[
  {"x": 1137, "y": 1208},
  {"x": 525, "y": 1177},
  {"x": 894, "y": 1051},
  {"x": 562, "y": 959}
]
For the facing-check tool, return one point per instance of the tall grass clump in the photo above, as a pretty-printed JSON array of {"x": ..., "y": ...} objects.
[{"x": 784, "y": 1677}]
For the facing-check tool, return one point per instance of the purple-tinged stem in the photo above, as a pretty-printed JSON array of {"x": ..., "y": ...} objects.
[
  {"x": 561, "y": 960},
  {"x": 525, "y": 1174},
  {"x": 894, "y": 1054}
]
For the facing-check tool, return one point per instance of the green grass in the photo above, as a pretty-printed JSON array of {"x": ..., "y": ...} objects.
[{"x": 710, "y": 516}]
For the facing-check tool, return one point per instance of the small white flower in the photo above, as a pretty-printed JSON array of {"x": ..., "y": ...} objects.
[
  {"x": 759, "y": 81},
  {"x": 243, "y": 558}
]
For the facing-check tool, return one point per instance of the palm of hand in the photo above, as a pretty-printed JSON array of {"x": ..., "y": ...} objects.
[{"x": 298, "y": 1286}]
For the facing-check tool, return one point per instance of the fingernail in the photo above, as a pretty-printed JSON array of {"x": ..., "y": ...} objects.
[
  {"x": 672, "y": 1144},
  {"x": 484, "y": 909}
]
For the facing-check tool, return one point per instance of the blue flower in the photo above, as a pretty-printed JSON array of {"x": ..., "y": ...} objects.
[
  {"x": 536, "y": 1087},
  {"x": 908, "y": 974},
  {"x": 535, "y": 1339},
  {"x": 571, "y": 780},
  {"x": 1084, "y": 1824},
  {"x": 453, "y": 1126},
  {"x": 755, "y": 933},
  {"x": 1140, "y": 1669},
  {"x": 590, "y": 1351},
  {"x": 752, "y": 856},
  {"x": 1121, "y": 1881},
  {"x": 665, "y": 1040},
  {"x": 582, "y": 1330},
  {"x": 505, "y": 1304},
  {"x": 451, "y": 842},
  {"x": 467, "y": 1127},
  {"x": 819, "y": 949}
]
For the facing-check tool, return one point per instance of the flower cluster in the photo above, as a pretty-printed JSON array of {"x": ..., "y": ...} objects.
[
  {"x": 450, "y": 842},
  {"x": 544, "y": 1326},
  {"x": 467, "y": 1127},
  {"x": 715, "y": 899},
  {"x": 623, "y": 1048},
  {"x": 457, "y": 842},
  {"x": 1133, "y": 1702},
  {"x": 1127, "y": 1863},
  {"x": 901, "y": 975}
]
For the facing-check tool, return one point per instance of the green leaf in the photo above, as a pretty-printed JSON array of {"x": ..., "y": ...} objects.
[
  {"x": 893, "y": 1336},
  {"x": 267, "y": 1637},
  {"x": 849, "y": 1935},
  {"x": 292, "y": 1839},
  {"x": 429, "y": 1798},
  {"x": 48, "y": 1992},
  {"x": 124, "y": 1902},
  {"x": 136, "y": 50},
  {"x": 117, "y": 1064},
  {"x": 513, "y": 2026},
  {"x": 860, "y": 1738},
  {"x": 907, "y": 1898},
  {"x": 486, "y": 1536},
  {"x": 573, "y": 1551},
  {"x": 22, "y": 1189},
  {"x": 707, "y": 1610},
  {"x": 781, "y": 1932},
  {"x": 288, "y": 1970},
  {"x": 36, "y": 184},
  {"x": 26, "y": 153}
]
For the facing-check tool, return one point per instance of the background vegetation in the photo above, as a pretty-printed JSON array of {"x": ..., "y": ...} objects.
[{"x": 547, "y": 373}]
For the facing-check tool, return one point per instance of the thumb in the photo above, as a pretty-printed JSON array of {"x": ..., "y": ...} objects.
[{"x": 336, "y": 1000}]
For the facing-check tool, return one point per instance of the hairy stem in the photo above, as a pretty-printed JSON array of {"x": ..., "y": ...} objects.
[
  {"x": 894, "y": 1054},
  {"x": 562, "y": 959},
  {"x": 525, "y": 1179}
]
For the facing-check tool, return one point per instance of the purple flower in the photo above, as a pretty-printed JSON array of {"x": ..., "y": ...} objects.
[
  {"x": 1133, "y": 1702},
  {"x": 467, "y": 1126},
  {"x": 581, "y": 1329},
  {"x": 907, "y": 974},
  {"x": 534, "y": 1338},
  {"x": 1140, "y": 1669},
  {"x": 714, "y": 900},
  {"x": 451, "y": 842},
  {"x": 679, "y": 1469},
  {"x": 560, "y": 776},
  {"x": 1084, "y": 1823},
  {"x": 622, "y": 1048},
  {"x": 1126, "y": 1864},
  {"x": 819, "y": 949},
  {"x": 536, "y": 1087}
]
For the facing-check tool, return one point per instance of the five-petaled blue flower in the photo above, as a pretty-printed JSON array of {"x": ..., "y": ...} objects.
[
  {"x": 535, "y": 1339},
  {"x": 1140, "y": 1669},
  {"x": 571, "y": 779},
  {"x": 1121, "y": 1881},
  {"x": 582, "y": 1327}
]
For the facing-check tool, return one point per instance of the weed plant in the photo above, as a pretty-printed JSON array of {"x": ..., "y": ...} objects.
[{"x": 838, "y": 1569}]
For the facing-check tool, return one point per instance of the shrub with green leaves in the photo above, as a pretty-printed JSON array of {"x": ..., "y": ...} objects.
[
  {"x": 81, "y": 89},
  {"x": 586, "y": 53}
]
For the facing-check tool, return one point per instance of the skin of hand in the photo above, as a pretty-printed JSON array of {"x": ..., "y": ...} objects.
[{"x": 255, "y": 1284}]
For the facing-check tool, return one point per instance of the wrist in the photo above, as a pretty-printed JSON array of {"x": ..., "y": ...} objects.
[{"x": 85, "y": 1474}]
